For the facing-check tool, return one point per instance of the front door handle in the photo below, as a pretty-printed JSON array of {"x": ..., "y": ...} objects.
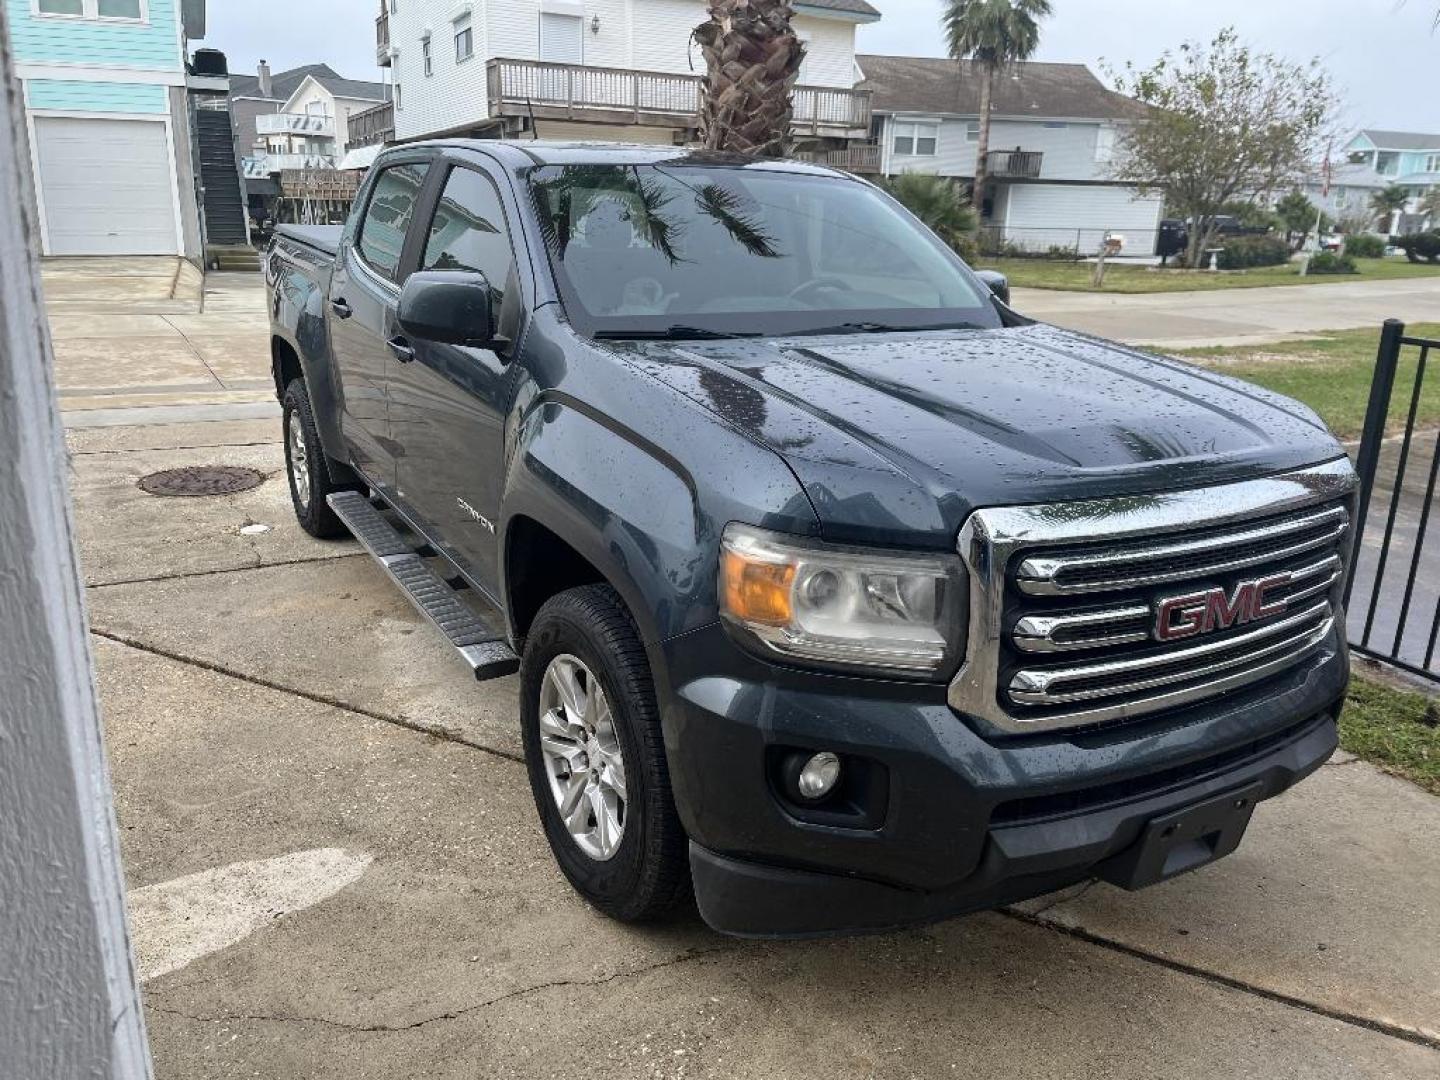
[
  {"x": 341, "y": 308},
  {"x": 402, "y": 350}
]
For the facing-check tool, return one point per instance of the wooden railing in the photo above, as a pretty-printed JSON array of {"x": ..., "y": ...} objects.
[
  {"x": 860, "y": 158},
  {"x": 576, "y": 91},
  {"x": 373, "y": 127},
  {"x": 1016, "y": 164}
]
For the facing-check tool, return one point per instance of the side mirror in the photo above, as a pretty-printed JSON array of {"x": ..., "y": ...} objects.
[
  {"x": 449, "y": 306},
  {"x": 997, "y": 283}
]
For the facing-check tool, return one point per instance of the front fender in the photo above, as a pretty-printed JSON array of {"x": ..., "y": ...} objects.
[{"x": 648, "y": 521}]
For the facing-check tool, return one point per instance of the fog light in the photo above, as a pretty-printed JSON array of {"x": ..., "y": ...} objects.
[{"x": 818, "y": 776}]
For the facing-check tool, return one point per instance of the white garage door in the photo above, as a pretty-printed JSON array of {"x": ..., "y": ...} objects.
[
  {"x": 106, "y": 186},
  {"x": 1040, "y": 215}
]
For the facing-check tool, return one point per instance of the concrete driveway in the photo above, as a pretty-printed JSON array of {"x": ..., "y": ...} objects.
[{"x": 335, "y": 868}]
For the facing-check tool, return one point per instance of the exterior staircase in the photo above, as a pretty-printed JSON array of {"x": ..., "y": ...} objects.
[{"x": 220, "y": 177}]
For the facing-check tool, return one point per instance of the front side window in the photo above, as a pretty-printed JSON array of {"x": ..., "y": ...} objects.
[
  {"x": 464, "y": 39},
  {"x": 388, "y": 216},
  {"x": 920, "y": 140},
  {"x": 468, "y": 232},
  {"x": 643, "y": 250}
]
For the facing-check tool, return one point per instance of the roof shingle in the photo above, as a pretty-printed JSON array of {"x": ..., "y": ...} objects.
[
  {"x": 919, "y": 84},
  {"x": 1402, "y": 140}
]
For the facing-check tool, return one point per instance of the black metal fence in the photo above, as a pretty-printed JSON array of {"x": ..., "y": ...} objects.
[
  {"x": 1393, "y": 596},
  {"x": 1065, "y": 244}
]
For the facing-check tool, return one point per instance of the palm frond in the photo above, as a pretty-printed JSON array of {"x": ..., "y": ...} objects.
[{"x": 723, "y": 205}]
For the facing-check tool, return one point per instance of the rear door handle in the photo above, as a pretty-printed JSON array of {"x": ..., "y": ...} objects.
[
  {"x": 341, "y": 308},
  {"x": 402, "y": 350}
]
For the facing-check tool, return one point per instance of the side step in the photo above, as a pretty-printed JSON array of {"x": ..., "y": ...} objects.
[{"x": 488, "y": 655}]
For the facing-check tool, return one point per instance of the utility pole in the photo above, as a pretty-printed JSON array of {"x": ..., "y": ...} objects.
[{"x": 69, "y": 1003}]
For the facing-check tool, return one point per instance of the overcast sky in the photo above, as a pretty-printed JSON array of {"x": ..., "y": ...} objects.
[{"x": 1382, "y": 52}]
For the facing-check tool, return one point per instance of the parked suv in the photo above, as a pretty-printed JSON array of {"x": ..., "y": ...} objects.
[{"x": 838, "y": 591}]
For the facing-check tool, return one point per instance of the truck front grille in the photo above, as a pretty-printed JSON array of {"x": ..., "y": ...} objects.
[{"x": 1093, "y": 612}]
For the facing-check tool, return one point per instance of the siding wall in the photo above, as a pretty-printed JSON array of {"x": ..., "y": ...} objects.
[
  {"x": 1069, "y": 150},
  {"x": 153, "y": 45},
  {"x": 644, "y": 35},
  {"x": 75, "y": 96}
]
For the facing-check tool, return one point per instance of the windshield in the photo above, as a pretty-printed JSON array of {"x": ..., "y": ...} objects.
[{"x": 690, "y": 250}]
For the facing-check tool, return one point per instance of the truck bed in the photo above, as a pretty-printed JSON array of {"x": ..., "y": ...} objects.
[{"x": 323, "y": 238}]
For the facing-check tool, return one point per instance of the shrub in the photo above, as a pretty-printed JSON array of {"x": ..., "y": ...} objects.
[
  {"x": 1365, "y": 246},
  {"x": 1327, "y": 262},
  {"x": 1421, "y": 247},
  {"x": 941, "y": 205},
  {"x": 1241, "y": 252}
]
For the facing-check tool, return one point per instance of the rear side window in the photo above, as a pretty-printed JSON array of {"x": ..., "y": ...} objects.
[
  {"x": 388, "y": 217},
  {"x": 468, "y": 232}
]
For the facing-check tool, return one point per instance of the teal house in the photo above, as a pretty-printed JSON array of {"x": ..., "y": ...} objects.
[{"x": 106, "y": 103}]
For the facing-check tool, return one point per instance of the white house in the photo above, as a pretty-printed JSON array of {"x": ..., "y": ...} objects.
[
  {"x": 620, "y": 70},
  {"x": 310, "y": 129},
  {"x": 1053, "y": 133}
]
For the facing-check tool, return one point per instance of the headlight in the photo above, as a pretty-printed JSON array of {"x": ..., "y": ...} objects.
[{"x": 842, "y": 605}]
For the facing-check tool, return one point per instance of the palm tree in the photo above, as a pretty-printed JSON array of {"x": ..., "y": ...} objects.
[
  {"x": 992, "y": 34},
  {"x": 752, "y": 59},
  {"x": 939, "y": 204},
  {"x": 1430, "y": 207},
  {"x": 1386, "y": 201}
]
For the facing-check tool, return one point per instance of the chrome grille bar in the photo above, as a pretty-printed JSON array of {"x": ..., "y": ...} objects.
[
  {"x": 1046, "y": 576},
  {"x": 1046, "y": 686},
  {"x": 1076, "y": 661}
]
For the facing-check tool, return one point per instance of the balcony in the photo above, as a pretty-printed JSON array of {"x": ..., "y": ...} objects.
[
  {"x": 860, "y": 158},
  {"x": 618, "y": 96},
  {"x": 373, "y": 127},
  {"x": 320, "y": 127},
  {"x": 382, "y": 40},
  {"x": 266, "y": 165},
  {"x": 1015, "y": 164}
]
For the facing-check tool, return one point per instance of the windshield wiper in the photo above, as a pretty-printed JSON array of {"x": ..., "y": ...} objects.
[
  {"x": 675, "y": 333},
  {"x": 880, "y": 328}
]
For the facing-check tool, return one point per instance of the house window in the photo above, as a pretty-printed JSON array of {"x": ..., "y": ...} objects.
[
  {"x": 1104, "y": 143},
  {"x": 917, "y": 139},
  {"x": 562, "y": 38},
  {"x": 123, "y": 10},
  {"x": 972, "y": 131},
  {"x": 398, "y": 103},
  {"x": 464, "y": 39},
  {"x": 394, "y": 7},
  {"x": 426, "y": 61},
  {"x": 1342, "y": 198},
  {"x": 1432, "y": 163}
]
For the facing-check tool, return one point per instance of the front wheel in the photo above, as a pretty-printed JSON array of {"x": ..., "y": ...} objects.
[
  {"x": 305, "y": 465},
  {"x": 596, "y": 759}
]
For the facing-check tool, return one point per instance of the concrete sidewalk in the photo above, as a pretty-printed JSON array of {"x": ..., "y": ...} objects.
[{"x": 336, "y": 870}]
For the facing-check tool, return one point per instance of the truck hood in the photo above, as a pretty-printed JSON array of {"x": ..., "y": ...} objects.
[{"x": 897, "y": 437}]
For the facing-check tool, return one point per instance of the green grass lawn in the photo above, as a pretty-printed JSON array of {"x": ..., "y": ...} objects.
[
  {"x": 1398, "y": 730},
  {"x": 1075, "y": 277},
  {"x": 1331, "y": 373}
]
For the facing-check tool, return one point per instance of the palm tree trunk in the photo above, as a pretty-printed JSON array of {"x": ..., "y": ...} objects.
[
  {"x": 752, "y": 59},
  {"x": 982, "y": 145}
]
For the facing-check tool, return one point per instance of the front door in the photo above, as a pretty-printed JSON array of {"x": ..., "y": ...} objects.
[
  {"x": 364, "y": 291},
  {"x": 448, "y": 404}
]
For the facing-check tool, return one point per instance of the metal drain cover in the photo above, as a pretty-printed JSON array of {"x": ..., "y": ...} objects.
[{"x": 202, "y": 480}]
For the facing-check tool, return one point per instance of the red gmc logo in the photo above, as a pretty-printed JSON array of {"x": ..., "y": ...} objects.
[{"x": 1204, "y": 612}]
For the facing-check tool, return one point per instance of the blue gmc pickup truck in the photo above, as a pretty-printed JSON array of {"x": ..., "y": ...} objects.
[{"x": 841, "y": 595}]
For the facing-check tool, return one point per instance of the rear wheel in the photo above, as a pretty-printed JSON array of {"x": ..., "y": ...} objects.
[
  {"x": 306, "y": 468},
  {"x": 596, "y": 758}
]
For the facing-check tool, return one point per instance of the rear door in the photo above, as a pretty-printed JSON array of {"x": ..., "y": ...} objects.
[
  {"x": 364, "y": 292},
  {"x": 448, "y": 405}
]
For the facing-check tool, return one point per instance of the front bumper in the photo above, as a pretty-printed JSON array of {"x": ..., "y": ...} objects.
[{"x": 969, "y": 821}]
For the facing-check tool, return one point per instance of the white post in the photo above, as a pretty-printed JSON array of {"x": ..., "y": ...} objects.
[{"x": 69, "y": 1003}]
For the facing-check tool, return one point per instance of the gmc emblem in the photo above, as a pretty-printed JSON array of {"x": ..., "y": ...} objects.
[{"x": 1185, "y": 616}]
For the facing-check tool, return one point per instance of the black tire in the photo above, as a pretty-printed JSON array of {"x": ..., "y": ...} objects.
[
  {"x": 649, "y": 873},
  {"x": 311, "y": 509}
]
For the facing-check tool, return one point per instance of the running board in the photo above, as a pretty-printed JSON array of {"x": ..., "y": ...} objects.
[{"x": 488, "y": 655}]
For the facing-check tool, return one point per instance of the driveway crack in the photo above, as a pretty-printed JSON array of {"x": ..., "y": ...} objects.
[{"x": 450, "y": 1014}]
